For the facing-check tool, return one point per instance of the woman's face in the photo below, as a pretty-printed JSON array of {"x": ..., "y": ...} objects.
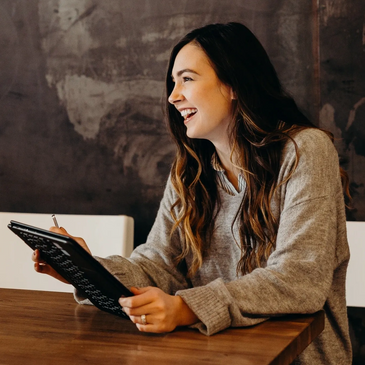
[{"x": 203, "y": 100}]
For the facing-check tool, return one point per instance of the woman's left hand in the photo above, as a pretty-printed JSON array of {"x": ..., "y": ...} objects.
[{"x": 162, "y": 312}]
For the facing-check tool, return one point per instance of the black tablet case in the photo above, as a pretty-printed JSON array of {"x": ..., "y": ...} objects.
[{"x": 76, "y": 265}]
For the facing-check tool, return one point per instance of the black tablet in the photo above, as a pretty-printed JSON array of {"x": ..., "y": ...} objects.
[{"x": 76, "y": 265}]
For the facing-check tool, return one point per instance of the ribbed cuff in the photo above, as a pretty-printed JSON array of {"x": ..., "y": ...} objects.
[{"x": 212, "y": 312}]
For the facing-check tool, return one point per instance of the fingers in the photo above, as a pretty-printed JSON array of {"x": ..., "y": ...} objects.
[
  {"x": 141, "y": 298},
  {"x": 79, "y": 240},
  {"x": 148, "y": 325},
  {"x": 137, "y": 305},
  {"x": 36, "y": 257},
  {"x": 139, "y": 319},
  {"x": 151, "y": 324},
  {"x": 42, "y": 267},
  {"x": 60, "y": 230},
  {"x": 152, "y": 304},
  {"x": 137, "y": 312},
  {"x": 39, "y": 264}
]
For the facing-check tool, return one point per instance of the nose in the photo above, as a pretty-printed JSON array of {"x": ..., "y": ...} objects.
[{"x": 175, "y": 95}]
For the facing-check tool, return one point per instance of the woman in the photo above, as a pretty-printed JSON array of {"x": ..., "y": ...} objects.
[{"x": 252, "y": 222}]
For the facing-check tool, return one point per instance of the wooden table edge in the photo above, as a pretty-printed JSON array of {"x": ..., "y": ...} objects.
[{"x": 314, "y": 328}]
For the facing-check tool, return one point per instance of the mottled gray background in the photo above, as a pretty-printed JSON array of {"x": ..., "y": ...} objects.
[{"x": 81, "y": 84}]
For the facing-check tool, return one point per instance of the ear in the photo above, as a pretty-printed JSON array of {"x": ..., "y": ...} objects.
[{"x": 233, "y": 95}]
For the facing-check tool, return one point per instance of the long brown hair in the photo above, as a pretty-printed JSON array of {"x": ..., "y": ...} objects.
[{"x": 265, "y": 117}]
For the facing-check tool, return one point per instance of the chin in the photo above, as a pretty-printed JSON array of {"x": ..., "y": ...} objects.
[{"x": 192, "y": 135}]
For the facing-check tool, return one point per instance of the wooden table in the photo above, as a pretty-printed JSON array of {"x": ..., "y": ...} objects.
[{"x": 50, "y": 328}]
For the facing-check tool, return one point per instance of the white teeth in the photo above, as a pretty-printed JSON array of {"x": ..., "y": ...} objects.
[{"x": 186, "y": 112}]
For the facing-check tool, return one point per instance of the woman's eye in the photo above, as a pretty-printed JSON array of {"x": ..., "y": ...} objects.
[{"x": 186, "y": 78}]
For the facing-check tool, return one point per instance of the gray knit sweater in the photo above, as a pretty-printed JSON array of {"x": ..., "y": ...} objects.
[{"x": 304, "y": 274}]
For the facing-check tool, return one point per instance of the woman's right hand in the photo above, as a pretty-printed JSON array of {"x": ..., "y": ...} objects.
[{"x": 42, "y": 267}]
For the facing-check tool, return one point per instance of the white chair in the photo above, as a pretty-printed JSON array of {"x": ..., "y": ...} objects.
[
  {"x": 104, "y": 234},
  {"x": 355, "y": 283}
]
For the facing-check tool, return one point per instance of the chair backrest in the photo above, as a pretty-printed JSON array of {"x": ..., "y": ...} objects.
[
  {"x": 355, "y": 283},
  {"x": 105, "y": 235}
]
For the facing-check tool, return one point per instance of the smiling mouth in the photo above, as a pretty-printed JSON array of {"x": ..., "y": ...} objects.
[{"x": 188, "y": 113}]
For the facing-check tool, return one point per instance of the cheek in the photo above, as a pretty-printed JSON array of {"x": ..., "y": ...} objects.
[
  {"x": 196, "y": 96},
  {"x": 221, "y": 105},
  {"x": 205, "y": 100}
]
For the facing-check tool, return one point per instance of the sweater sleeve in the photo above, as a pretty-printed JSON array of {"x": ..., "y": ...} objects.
[
  {"x": 299, "y": 273},
  {"x": 151, "y": 264}
]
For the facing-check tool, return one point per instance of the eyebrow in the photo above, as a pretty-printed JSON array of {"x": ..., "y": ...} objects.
[{"x": 183, "y": 71}]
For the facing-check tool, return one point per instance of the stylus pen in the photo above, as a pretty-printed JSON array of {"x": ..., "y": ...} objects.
[{"x": 55, "y": 221}]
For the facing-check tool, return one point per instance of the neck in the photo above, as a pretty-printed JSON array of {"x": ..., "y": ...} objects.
[{"x": 229, "y": 166}]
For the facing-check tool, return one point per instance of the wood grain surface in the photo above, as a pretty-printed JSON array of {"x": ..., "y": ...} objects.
[{"x": 50, "y": 328}]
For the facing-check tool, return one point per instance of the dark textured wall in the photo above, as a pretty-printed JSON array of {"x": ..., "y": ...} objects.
[
  {"x": 81, "y": 124},
  {"x": 342, "y": 88},
  {"x": 342, "y": 91}
]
